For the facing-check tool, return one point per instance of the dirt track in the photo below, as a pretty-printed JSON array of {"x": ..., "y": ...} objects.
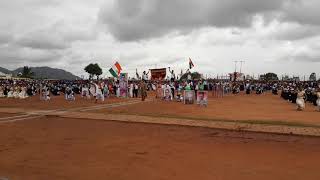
[
  {"x": 81, "y": 149},
  {"x": 240, "y": 107},
  {"x": 50, "y": 147}
]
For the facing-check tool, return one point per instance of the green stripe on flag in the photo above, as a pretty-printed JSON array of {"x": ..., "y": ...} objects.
[{"x": 113, "y": 73}]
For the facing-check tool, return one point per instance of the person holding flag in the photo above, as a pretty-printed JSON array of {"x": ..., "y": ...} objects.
[
  {"x": 145, "y": 76},
  {"x": 173, "y": 76}
]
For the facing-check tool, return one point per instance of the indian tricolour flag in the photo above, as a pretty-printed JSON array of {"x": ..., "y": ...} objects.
[{"x": 115, "y": 70}]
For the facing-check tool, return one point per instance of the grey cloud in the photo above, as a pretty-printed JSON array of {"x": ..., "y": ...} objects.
[
  {"x": 172, "y": 60},
  {"x": 134, "y": 20},
  {"x": 302, "y": 11},
  {"x": 42, "y": 40},
  {"x": 60, "y": 35},
  {"x": 5, "y": 37},
  {"x": 305, "y": 52},
  {"x": 17, "y": 54},
  {"x": 75, "y": 31},
  {"x": 297, "y": 34},
  {"x": 294, "y": 31},
  {"x": 304, "y": 58}
]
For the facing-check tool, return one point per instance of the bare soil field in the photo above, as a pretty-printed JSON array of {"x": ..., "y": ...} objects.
[
  {"x": 61, "y": 148},
  {"x": 39, "y": 146},
  {"x": 261, "y": 108}
]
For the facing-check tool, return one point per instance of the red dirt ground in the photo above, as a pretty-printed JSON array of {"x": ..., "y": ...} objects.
[
  {"x": 61, "y": 148},
  {"x": 240, "y": 107},
  {"x": 54, "y": 148},
  {"x": 56, "y": 102}
]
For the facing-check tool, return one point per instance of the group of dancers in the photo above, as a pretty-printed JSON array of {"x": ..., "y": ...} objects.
[{"x": 301, "y": 93}]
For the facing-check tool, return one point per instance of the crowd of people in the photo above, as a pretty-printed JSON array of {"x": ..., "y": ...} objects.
[
  {"x": 171, "y": 89},
  {"x": 22, "y": 89}
]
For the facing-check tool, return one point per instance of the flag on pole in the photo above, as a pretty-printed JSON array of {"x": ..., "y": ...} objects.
[
  {"x": 191, "y": 65},
  {"x": 115, "y": 70},
  {"x": 137, "y": 74}
]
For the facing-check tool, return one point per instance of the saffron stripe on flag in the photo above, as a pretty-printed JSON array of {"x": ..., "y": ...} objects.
[{"x": 118, "y": 66}]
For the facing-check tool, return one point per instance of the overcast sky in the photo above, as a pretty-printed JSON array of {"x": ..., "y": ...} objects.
[{"x": 281, "y": 36}]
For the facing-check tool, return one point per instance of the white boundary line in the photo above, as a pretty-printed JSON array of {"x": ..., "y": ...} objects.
[
  {"x": 20, "y": 119},
  {"x": 13, "y": 117},
  {"x": 37, "y": 114}
]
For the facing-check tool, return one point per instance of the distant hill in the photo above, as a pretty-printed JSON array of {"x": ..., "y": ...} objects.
[
  {"x": 5, "y": 71},
  {"x": 44, "y": 73}
]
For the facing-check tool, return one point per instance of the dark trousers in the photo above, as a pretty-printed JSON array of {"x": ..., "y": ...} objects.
[
  {"x": 135, "y": 93},
  {"x": 172, "y": 91}
]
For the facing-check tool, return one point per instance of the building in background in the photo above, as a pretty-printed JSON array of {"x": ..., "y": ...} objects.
[{"x": 5, "y": 76}]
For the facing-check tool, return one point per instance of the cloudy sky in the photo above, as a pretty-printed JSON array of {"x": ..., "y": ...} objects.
[{"x": 281, "y": 36}]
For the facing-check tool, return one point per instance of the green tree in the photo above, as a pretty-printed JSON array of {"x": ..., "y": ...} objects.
[
  {"x": 271, "y": 77},
  {"x": 26, "y": 72},
  {"x": 93, "y": 70},
  {"x": 313, "y": 77}
]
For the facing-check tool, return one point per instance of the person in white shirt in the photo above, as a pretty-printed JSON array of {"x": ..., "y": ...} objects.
[
  {"x": 10, "y": 93},
  {"x": 69, "y": 94},
  {"x": 173, "y": 76},
  {"x": 300, "y": 100},
  {"x": 168, "y": 93},
  {"x": 44, "y": 93},
  {"x": 23, "y": 93},
  {"x": 85, "y": 92},
  {"x": 16, "y": 92},
  {"x": 118, "y": 90},
  {"x": 145, "y": 76},
  {"x": 99, "y": 92},
  {"x": 131, "y": 90}
]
